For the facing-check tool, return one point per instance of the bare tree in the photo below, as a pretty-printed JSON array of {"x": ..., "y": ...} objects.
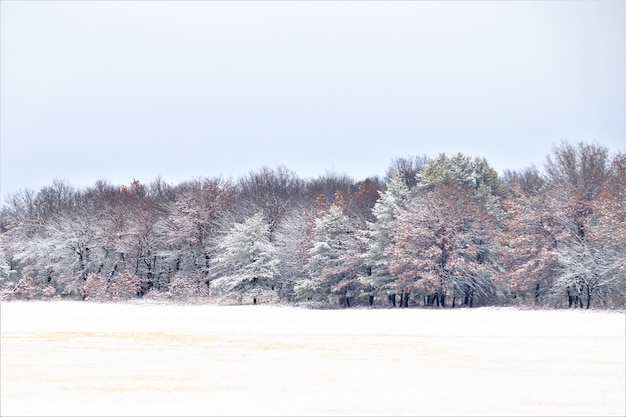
[
  {"x": 408, "y": 168},
  {"x": 194, "y": 224},
  {"x": 272, "y": 191}
]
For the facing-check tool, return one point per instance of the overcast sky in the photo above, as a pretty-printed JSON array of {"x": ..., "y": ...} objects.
[{"x": 118, "y": 90}]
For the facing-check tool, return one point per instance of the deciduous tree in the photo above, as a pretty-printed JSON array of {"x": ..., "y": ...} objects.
[
  {"x": 443, "y": 246},
  {"x": 582, "y": 187}
]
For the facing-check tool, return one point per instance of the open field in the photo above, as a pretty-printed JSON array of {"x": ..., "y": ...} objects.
[{"x": 72, "y": 358}]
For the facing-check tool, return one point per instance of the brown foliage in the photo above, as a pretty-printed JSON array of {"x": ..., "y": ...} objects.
[{"x": 440, "y": 239}]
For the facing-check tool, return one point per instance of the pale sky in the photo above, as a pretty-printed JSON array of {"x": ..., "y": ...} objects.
[{"x": 118, "y": 90}]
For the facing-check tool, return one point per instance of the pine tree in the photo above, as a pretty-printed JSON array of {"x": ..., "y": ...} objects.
[
  {"x": 335, "y": 261},
  {"x": 247, "y": 260},
  {"x": 379, "y": 236},
  {"x": 462, "y": 171}
]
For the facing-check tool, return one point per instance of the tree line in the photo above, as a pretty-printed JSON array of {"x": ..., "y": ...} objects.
[{"x": 446, "y": 231}]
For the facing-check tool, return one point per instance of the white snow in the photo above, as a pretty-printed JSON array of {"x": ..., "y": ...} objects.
[{"x": 73, "y": 358}]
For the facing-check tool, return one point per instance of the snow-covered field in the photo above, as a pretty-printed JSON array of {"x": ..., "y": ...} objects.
[{"x": 73, "y": 358}]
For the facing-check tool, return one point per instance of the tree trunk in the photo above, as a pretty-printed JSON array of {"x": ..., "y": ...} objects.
[
  {"x": 570, "y": 299},
  {"x": 537, "y": 293},
  {"x": 453, "y": 300},
  {"x": 348, "y": 302},
  {"x": 371, "y": 300}
]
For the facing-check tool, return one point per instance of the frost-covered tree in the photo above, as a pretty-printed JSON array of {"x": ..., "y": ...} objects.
[
  {"x": 25, "y": 289},
  {"x": 407, "y": 168},
  {"x": 565, "y": 233},
  {"x": 326, "y": 187},
  {"x": 443, "y": 246},
  {"x": 582, "y": 186},
  {"x": 187, "y": 288},
  {"x": 121, "y": 286},
  {"x": 462, "y": 171},
  {"x": 60, "y": 250},
  {"x": 194, "y": 222},
  {"x": 125, "y": 285},
  {"x": 459, "y": 169},
  {"x": 274, "y": 192},
  {"x": 5, "y": 270},
  {"x": 23, "y": 240},
  {"x": 357, "y": 205},
  {"x": 96, "y": 287},
  {"x": 247, "y": 263},
  {"x": 293, "y": 239},
  {"x": 443, "y": 242},
  {"x": 609, "y": 205},
  {"x": 591, "y": 270},
  {"x": 137, "y": 238},
  {"x": 335, "y": 260},
  {"x": 379, "y": 237},
  {"x": 528, "y": 240}
]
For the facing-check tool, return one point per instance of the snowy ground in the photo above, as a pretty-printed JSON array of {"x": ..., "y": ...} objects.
[{"x": 72, "y": 358}]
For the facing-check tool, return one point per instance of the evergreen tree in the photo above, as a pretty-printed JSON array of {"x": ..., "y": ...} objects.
[
  {"x": 462, "y": 171},
  {"x": 335, "y": 261},
  {"x": 248, "y": 262},
  {"x": 379, "y": 236}
]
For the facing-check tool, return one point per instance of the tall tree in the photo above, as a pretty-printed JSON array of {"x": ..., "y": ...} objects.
[
  {"x": 379, "y": 237},
  {"x": 247, "y": 262},
  {"x": 528, "y": 240},
  {"x": 194, "y": 222},
  {"x": 462, "y": 171},
  {"x": 443, "y": 246},
  {"x": 335, "y": 260},
  {"x": 579, "y": 175},
  {"x": 407, "y": 168},
  {"x": 293, "y": 239},
  {"x": 271, "y": 191}
]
